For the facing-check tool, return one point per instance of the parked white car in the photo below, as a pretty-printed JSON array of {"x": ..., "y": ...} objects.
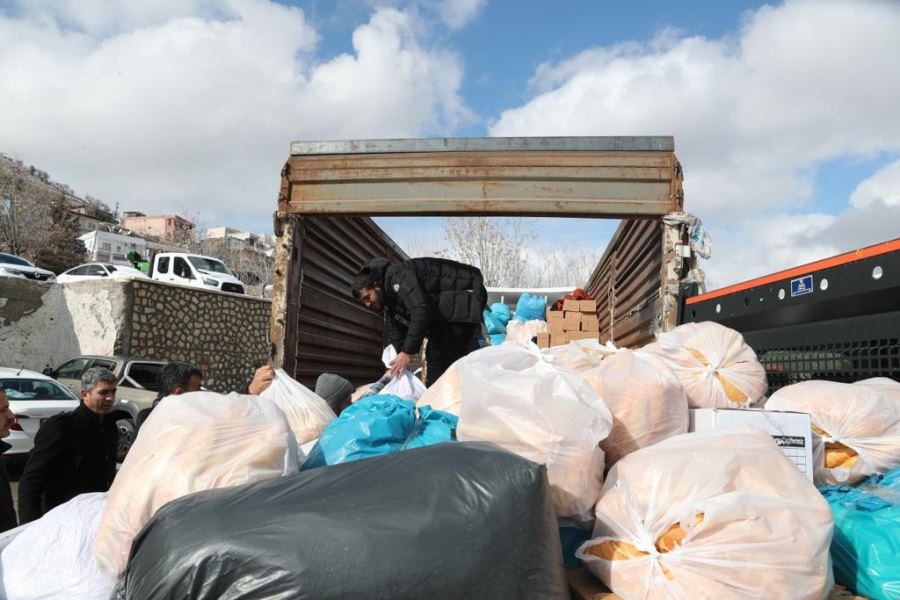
[
  {"x": 16, "y": 266},
  {"x": 196, "y": 271},
  {"x": 33, "y": 398},
  {"x": 99, "y": 271}
]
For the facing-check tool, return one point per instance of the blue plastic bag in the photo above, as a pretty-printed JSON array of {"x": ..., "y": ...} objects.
[
  {"x": 530, "y": 308},
  {"x": 378, "y": 425},
  {"x": 865, "y": 548},
  {"x": 500, "y": 311},
  {"x": 497, "y": 339},
  {"x": 493, "y": 324}
]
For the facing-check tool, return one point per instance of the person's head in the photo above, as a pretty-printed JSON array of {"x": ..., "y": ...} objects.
[
  {"x": 368, "y": 284},
  {"x": 336, "y": 391},
  {"x": 179, "y": 378},
  {"x": 6, "y": 415},
  {"x": 98, "y": 390}
]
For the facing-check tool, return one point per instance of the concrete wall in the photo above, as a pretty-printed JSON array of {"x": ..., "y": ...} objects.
[{"x": 45, "y": 324}]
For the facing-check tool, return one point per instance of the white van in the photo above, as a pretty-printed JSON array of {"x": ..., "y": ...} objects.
[{"x": 196, "y": 271}]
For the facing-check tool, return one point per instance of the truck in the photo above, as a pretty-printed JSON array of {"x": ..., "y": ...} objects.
[
  {"x": 647, "y": 281},
  {"x": 194, "y": 270}
]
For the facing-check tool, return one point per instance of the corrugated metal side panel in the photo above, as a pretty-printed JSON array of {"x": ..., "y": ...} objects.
[
  {"x": 627, "y": 283},
  {"x": 599, "y": 183},
  {"x": 329, "y": 331}
]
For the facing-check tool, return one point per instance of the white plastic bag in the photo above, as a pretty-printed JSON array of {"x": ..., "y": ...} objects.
[
  {"x": 859, "y": 424},
  {"x": 53, "y": 557},
  {"x": 522, "y": 332},
  {"x": 407, "y": 385},
  {"x": 645, "y": 398},
  {"x": 190, "y": 443},
  {"x": 446, "y": 393},
  {"x": 719, "y": 514},
  {"x": 307, "y": 414},
  {"x": 715, "y": 366},
  {"x": 515, "y": 397}
]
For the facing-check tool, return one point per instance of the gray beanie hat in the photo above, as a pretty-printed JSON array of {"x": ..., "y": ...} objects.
[{"x": 334, "y": 389}]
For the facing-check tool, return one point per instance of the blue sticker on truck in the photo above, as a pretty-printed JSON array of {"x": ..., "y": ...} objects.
[{"x": 802, "y": 285}]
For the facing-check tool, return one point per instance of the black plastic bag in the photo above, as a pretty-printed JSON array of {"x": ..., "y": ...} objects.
[{"x": 460, "y": 520}]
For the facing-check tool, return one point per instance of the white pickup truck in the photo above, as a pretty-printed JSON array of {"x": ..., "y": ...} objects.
[{"x": 196, "y": 271}]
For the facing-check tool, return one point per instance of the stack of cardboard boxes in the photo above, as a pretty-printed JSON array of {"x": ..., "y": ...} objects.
[{"x": 577, "y": 320}]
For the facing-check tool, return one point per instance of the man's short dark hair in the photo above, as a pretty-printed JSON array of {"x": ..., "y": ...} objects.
[
  {"x": 370, "y": 274},
  {"x": 175, "y": 375}
]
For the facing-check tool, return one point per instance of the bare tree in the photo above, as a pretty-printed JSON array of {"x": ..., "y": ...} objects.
[
  {"x": 252, "y": 266},
  {"x": 560, "y": 266},
  {"x": 497, "y": 246}
]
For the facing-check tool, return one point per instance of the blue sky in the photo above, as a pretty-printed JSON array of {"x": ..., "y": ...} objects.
[{"x": 784, "y": 115}]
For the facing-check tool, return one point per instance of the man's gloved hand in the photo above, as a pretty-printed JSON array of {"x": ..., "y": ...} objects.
[
  {"x": 262, "y": 379},
  {"x": 399, "y": 364}
]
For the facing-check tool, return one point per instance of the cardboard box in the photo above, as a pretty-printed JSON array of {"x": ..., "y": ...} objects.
[
  {"x": 573, "y": 315},
  {"x": 572, "y": 305},
  {"x": 588, "y": 306},
  {"x": 571, "y": 336},
  {"x": 555, "y": 315},
  {"x": 792, "y": 431},
  {"x": 590, "y": 323},
  {"x": 572, "y": 324},
  {"x": 584, "y": 586},
  {"x": 543, "y": 339},
  {"x": 556, "y": 326},
  {"x": 557, "y": 339}
]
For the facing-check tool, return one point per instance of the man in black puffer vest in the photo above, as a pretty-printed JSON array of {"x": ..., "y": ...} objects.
[{"x": 435, "y": 298}]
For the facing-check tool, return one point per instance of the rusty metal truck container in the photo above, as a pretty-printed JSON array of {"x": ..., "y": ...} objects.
[{"x": 330, "y": 190}]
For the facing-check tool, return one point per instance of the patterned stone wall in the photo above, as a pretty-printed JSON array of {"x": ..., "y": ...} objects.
[{"x": 226, "y": 335}]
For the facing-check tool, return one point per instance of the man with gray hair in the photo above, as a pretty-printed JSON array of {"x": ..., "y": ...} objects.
[{"x": 75, "y": 452}]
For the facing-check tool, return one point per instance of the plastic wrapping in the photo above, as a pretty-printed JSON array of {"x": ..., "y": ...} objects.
[
  {"x": 501, "y": 312},
  {"x": 517, "y": 398},
  {"x": 714, "y": 364},
  {"x": 447, "y": 521},
  {"x": 866, "y": 543},
  {"x": 306, "y": 413},
  {"x": 406, "y": 385},
  {"x": 379, "y": 425},
  {"x": 718, "y": 514},
  {"x": 522, "y": 332},
  {"x": 493, "y": 324},
  {"x": 859, "y": 425},
  {"x": 446, "y": 393},
  {"x": 530, "y": 308},
  {"x": 189, "y": 443},
  {"x": 645, "y": 398},
  {"x": 54, "y": 556}
]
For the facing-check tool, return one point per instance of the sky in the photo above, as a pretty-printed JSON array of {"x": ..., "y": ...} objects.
[{"x": 785, "y": 114}]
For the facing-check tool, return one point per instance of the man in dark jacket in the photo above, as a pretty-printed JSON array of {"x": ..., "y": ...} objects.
[
  {"x": 7, "y": 510},
  {"x": 75, "y": 452},
  {"x": 435, "y": 298}
]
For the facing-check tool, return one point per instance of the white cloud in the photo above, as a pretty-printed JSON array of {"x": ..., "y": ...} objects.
[
  {"x": 765, "y": 244},
  {"x": 161, "y": 105},
  {"x": 883, "y": 187},
  {"x": 458, "y": 13},
  {"x": 753, "y": 115},
  {"x": 803, "y": 83}
]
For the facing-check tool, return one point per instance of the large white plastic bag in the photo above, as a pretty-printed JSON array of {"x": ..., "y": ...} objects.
[
  {"x": 645, "y": 398},
  {"x": 716, "y": 367},
  {"x": 190, "y": 443},
  {"x": 307, "y": 414},
  {"x": 755, "y": 526},
  {"x": 54, "y": 556},
  {"x": 515, "y": 397},
  {"x": 859, "y": 424},
  {"x": 446, "y": 393},
  {"x": 407, "y": 385}
]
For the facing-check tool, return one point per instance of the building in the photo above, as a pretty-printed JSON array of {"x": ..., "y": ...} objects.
[
  {"x": 108, "y": 247},
  {"x": 236, "y": 239},
  {"x": 166, "y": 228}
]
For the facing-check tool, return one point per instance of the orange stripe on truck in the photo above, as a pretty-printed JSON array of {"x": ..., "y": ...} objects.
[{"x": 834, "y": 261}]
